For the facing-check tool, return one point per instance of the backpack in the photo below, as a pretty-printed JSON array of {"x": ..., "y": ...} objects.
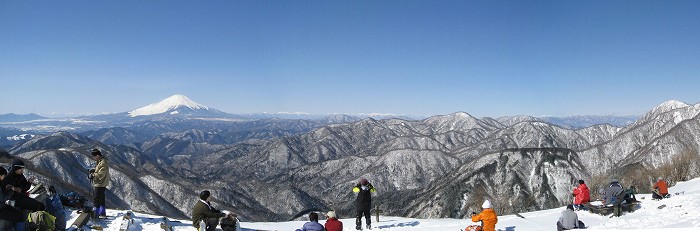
[
  {"x": 473, "y": 228},
  {"x": 228, "y": 224},
  {"x": 41, "y": 221},
  {"x": 73, "y": 199}
]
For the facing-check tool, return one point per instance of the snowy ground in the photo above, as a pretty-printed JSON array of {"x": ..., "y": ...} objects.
[{"x": 681, "y": 213}]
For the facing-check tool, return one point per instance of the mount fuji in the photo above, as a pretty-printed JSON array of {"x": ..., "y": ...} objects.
[{"x": 178, "y": 105}]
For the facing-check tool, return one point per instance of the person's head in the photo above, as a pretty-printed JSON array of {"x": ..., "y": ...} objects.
[
  {"x": 313, "y": 217},
  {"x": 486, "y": 204},
  {"x": 613, "y": 181},
  {"x": 3, "y": 173},
  {"x": 17, "y": 167},
  {"x": 205, "y": 195},
  {"x": 364, "y": 181},
  {"x": 581, "y": 182},
  {"x": 96, "y": 154},
  {"x": 331, "y": 214},
  {"x": 570, "y": 207},
  {"x": 660, "y": 179}
]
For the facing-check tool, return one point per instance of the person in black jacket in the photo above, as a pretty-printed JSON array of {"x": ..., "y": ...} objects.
[
  {"x": 7, "y": 210},
  {"x": 16, "y": 182},
  {"x": 363, "y": 203}
]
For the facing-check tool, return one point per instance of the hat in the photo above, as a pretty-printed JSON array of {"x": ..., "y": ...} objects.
[
  {"x": 486, "y": 204},
  {"x": 17, "y": 164},
  {"x": 364, "y": 181},
  {"x": 661, "y": 178},
  {"x": 204, "y": 195},
  {"x": 96, "y": 152},
  {"x": 613, "y": 180},
  {"x": 570, "y": 207},
  {"x": 331, "y": 214},
  {"x": 3, "y": 171},
  {"x": 580, "y": 181}
]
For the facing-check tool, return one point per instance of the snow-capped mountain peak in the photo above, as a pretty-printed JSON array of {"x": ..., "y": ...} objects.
[{"x": 168, "y": 104}]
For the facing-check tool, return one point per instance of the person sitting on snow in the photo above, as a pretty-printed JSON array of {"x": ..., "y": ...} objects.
[
  {"x": 660, "y": 189},
  {"x": 487, "y": 217},
  {"x": 313, "y": 224},
  {"x": 203, "y": 211},
  {"x": 582, "y": 195},
  {"x": 333, "y": 224},
  {"x": 569, "y": 220}
]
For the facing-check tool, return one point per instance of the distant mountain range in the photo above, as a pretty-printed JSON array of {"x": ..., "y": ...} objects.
[{"x": 272, "y": 169}]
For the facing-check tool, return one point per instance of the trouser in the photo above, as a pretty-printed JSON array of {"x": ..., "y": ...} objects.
[
  {"x": 99, "y": 199},
  {"x": 29, "y": 204},
  {"x": 362, "y": 210},
  {"x": 578, "y": 226},
  {"x": 10, "y": 214}
]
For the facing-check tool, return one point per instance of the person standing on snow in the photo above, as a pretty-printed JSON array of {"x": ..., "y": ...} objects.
[
  {"x": 363, "y": 203},
  {"x": 582, "y": 195},
  {"x": 487, "y": 216},
  {"x": 100, "y": 180},
  {"x": 660, "y": 189}
]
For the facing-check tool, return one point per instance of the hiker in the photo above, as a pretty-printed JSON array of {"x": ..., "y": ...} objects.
[
  {"x": 8, "y": 212},
  {"x": 313, "y": 224},
  {"x": 19, "y": 185},
  {"x": 569, "y": 220},
  {"x": 100, "y": 180},
  {"x": 615, "y": 195},
  {"x": 333, "y": 224},
  {"x": 582, "y": 195},
  {"x": 487, "y": 216},
  {"x": 660, "y": 189},
  {"x": 203, "y": 211},
  {"x": 363, "y": 202}
]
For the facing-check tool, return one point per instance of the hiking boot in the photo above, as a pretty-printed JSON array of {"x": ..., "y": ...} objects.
[
  {"x": 358, "y": 227},
  {"x": 369, "y": 227}
]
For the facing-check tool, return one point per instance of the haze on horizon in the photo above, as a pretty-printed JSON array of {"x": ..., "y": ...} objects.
[{"x": 486, "y": 58}]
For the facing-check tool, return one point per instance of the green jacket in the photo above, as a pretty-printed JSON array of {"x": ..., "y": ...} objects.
[
  {"x": 101, "y": 175},
  {"x": 201, "y": 211}
]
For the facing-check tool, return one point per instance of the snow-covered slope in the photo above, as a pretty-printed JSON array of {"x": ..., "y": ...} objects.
[
  {"x": 169, "y": 104},
  {"x": 681, "y": 213}
]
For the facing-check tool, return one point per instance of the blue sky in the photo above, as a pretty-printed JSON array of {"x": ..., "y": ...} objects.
[{"x": 487, "y": 58}]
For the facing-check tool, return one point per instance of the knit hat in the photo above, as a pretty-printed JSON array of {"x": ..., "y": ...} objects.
[
  {"x": 486, "y": 204},
  {"x": 570, "y": 207},
  {"x": 96, "y": 152},
  {"x": 580, "y": 181},
  {"x": 16, "y": 164},
  {"x": 330, "y": 214},
  {"x": 364, "y": 181},
  {"x": 204, "y": 195},
  {"x": 660, "y": 178}
]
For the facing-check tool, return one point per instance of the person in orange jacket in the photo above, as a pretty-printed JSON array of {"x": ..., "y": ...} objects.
[
  {"x": 487, "y": 217},
  {"x": 582, "y": 195},
  {"x": 660, "y": 189}
]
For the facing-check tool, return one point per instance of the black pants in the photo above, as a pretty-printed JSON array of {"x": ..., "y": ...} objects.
[
  {"x": 362, "y": 210},
  {"x": 99, "y": 199},
  {"x": 10, "y": 214},
  {"x": 29, "y": 204}
]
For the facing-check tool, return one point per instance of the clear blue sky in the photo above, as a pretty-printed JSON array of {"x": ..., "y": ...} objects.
[{"x": 487, "y": 58}]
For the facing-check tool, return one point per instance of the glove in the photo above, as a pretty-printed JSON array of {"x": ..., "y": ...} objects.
[{"x": 10, "y": 203}]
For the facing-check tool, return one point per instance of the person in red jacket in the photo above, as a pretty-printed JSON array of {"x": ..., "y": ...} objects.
[
  {"x": 333, "y": 224},
  {"x": 582, "y": 195},
  {"x": 660, "y": 189}
]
